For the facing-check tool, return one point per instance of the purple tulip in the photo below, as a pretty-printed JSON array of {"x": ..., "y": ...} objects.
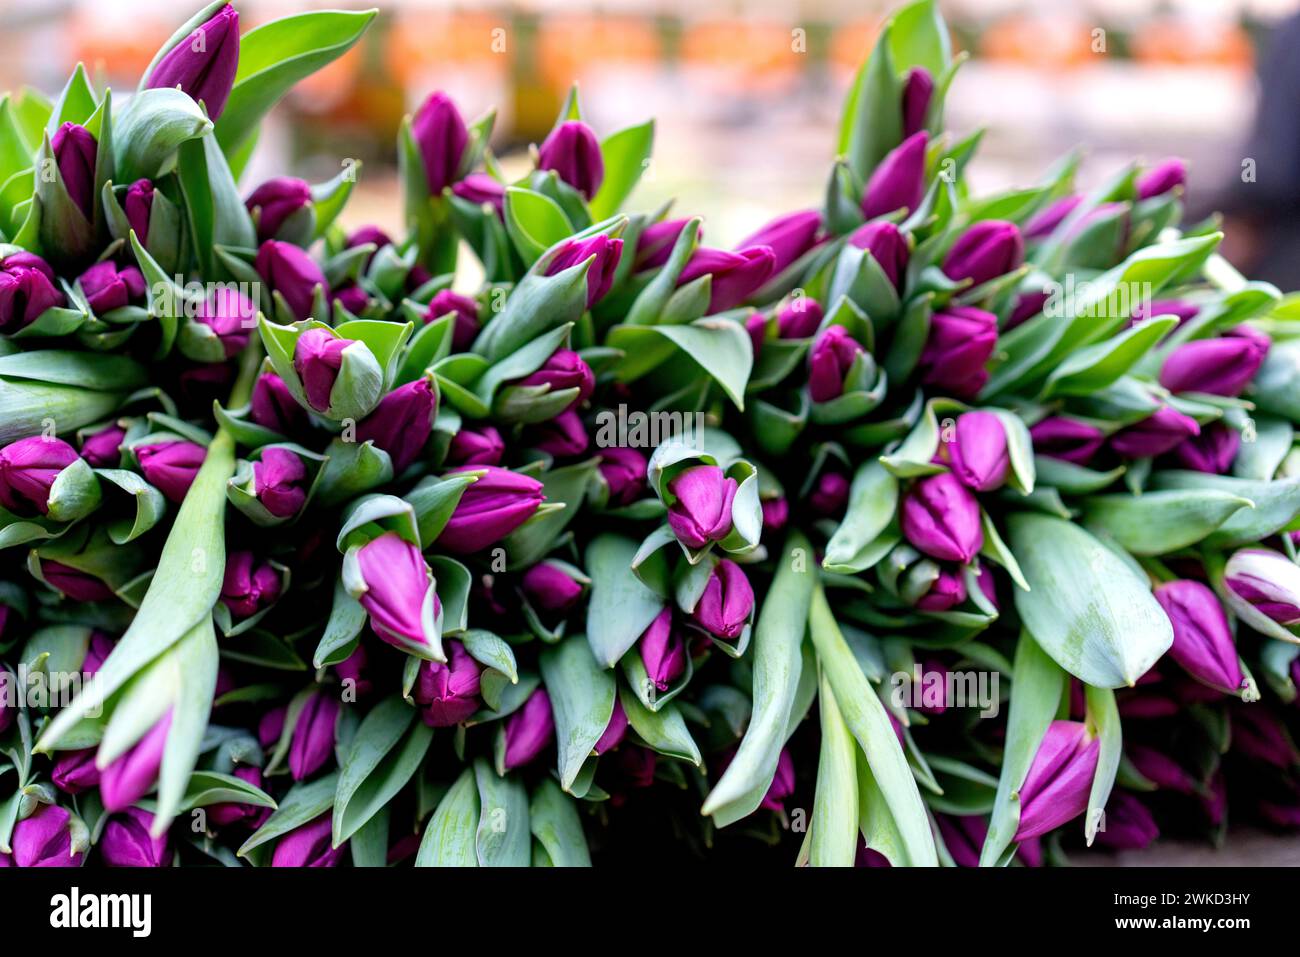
[
  {"x": 441, "y": 135},
  {"x": 1180, "y": 308},
  {"x": 529, "y": 730},
  {"x": 313, "y": 734},
  {"x": 788, "y": 236},
  {"x": 888, "y": 247},
  {"x": 961, "y": 340},
  {"x": 44, "y": 839},
  {"x": 783, "y": 783},
  {"x": 308, "y": 846},
  {"x": 1155, "y": 435},
  {"x": 247, "y": 588},
  {"x": 829, "y": 362},
  {"x": 979, "y": 451},
  {"x": 1027, "y": 305},
  {"x": 483, "y": 446},
  {"x": 655, "y": 244},
  {"x": 355, "y": 668},
  {"x": 1221, "y": 366},
  {"x": 573, "y": 152},
  {"x": 73, "y": 582},
  {"x": 203, "y": 64},
  {"x": 941, "y": 517},
  {"x": 490, "y": 509},
  {"x": 963, "y": 837},
  {"x": 1128, "y": 825},
  {"x": 1067, "y": 439},
  {"x": 799, "y": 320},
  {"x": 1203, "y": 643},
  {"x": 1213, "y": 451},
  {"x": 1160, "y": 179},
  {"x": 988, "y": 584},
  {"x": 465, "y": 326},
  {"x": 1160, "y": 769},
  {"x": 231, "y": 315},
  {"x": 700, "y": 508},
  {"x": 945, "y": 592},
  {"x": 103, "y": 449},
  {"x": 756, "y": 327},
  {"x": 352, "y": 297},
  {"x": 1043, "y": 223},
  {"x": 662, "y": 651},
  {"x": 28, "y": 469},
  {"x": 368, "y": 235},
  {"x": 274, "y": 407},
  {"x": 918, "y": 90},
  {"x": 604, "y": 254},
  {"x": 987, "y": 250},
  {"x": 624, "y": 472},
  {"x": 1060, "y": 779},
  {"x": 100, "y": 647},
  {"x": 317, "y": 358},
  {"x": 776, "y": 512},
  {"x": 727, "y": 602},
  {"x": 229, "y": 812},
  {"x": 549, "y": 588},
  {"x": 397, "y": 587},
  {"x": 736, "y": 276},
  {"x": 483, "y": 190},
  {"x": 563, "y": 437},
  {"x": 565, "y": 369},
  {"x": 170, "y": 466},
  {"x": 615, "y": 731},
  {"x": 279, "y": 482},
  {"x": 830, "y": 495},
  {"x": 75, "y": 771},
  {"x": 75, "y": 152},
  {"x": 288, "y": 270},
  {"x": 1266, "y": 581},
  {"x": 448, "y": 693},
  {"x": 272, "y": 203},
  {"x": 132, "y": 775},
  {"x": 126, "y": 841},
  {"x": 27, "y": 289},
  {"x": 137, "y": 206},
  {"x": 899, "y": 181},
  {"x": 1259, "y": 735},
  {"x": 402, "y": 422},
  {"x": 107, "y": 288}
]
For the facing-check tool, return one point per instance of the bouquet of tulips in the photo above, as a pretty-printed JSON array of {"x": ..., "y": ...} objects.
[{"x": 923, "y": 528}]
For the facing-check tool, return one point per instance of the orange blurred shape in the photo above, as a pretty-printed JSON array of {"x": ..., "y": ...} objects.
[
  {"x": 99, "y": 43},
  {"x": 328, "y": 86},
  {"x": 762, "y": 50},
  {"x": 568, "y": 44},
  {"x": 418, "y": 40},
  {"x": 1039, "y": 41},
  {"x": 1176, "y": 41},
  {"x": 851, "y": 44}
]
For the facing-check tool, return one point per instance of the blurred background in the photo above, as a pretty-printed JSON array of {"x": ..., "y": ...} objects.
[{"x": 747, "y": 94}]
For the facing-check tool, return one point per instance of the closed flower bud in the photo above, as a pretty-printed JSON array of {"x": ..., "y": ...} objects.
[
  {"x": 308, "y": 846},
  {"x": 126, "y": 841},
  {"x": 75, "y": 151},
  {"x": 274, "y": 407},
  {"x": 1203, "y": 642},
  {"x": 368, "y": 235},
  {"x": 402, "y": 422},
  {"x": 465, "y": 326},
  {"x": 1164, "y": 176},
  {"x": 700, "y": 510},
  {"x": 788, "y": 236},
  {"x": 317, "y": 358},
  {"x": 249, "y": 586},
  {"x": 313, "y": 734},
  {"x": 776, "y": 512},
  {"x": 1067, "y": 439},
  {"x": 1180, "y": 308},
  {"x": 170, "y": 466},
  {"x": 941, "y": 517},
  {"x": 573, "y": 152},
  {"x": 75, "y": 771},
  {"x": 655, "y": 244},
  {"x": 103, "y": 449},
  {"x": 290, "y": 271},
  {"x": 1043, "y": 223},
  {"x": 1266, "y": 582},
  {"x": 132, "y": 775},
  {"x": 490, "y": 509},
  {"x": 481, "y": 446},
  {"x": 963, "y": 837},
  {"x": 529, "y": 730},
  {"x": 1220, "y": 366},
  {"x": 830, "y": 495},
  {"x": 399, "y": 595},
  {"x": 551, "y": 589},
  {"x": 604, "y": 255},
  {"x": 1213, "y": 450},
  {"x": 440, "y": 134},
  {"x": 1161, "y": 770},
  {"x": 1060, "y": 779},
  {"x": 1259, "y": 735},
  {"x": 918, "y": 90},
  {"x": 1155, "y": 435},
  {"x": 899, "y": 181},
  {"x": 482, "y": 189},
  {"x": 978, "y": 451},
  {"x": 1028, "y": 305},
  {"x": 355, "y": 669},
  {"x": 28, "y": 469},
  {"x": 101, "y": 646},
  {"x": 829, "y": 362},
  {"x": 624, "y": 472},
  {"x": 279, "y": 482},
  {"x": 799, "y": 320},
  {"x": 961, "y": 340},
  {"x": 231, "y": 315},
  {"x": 987, "y": 250},
  {"x": 888, "y": 247},
  {"x": 662, "y": 651},
  {"x": 351, "y": 297},
  {"x": 107, "y": 288},
  {"x": 783, "y": 783},
  {"x": 736, "y": 276},
  {"x": 229, "y": 812},
  {"x": 727, "y": 603},
  {"x": 615, "y": 731},
  {"x": 1129, "y": 825},
  {"x": 44, "y": 839},
  {"x": 563, "y": 370},
  {"x": 137, "y": 206},
  {"x": 945, "y": 592},
  {"x": 448, "y": 693},
  {"x": 73, "y": 582},
  {"x": 203, "y": 63},
  {"x": 275, "y": 201},
  {"x": 27, "y": 289},
  {"x": 563, "y": 437}
]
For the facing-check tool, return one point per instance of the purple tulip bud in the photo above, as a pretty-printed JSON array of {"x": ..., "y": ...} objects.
[
  {"x": 476, "y": 447},
  {"x": 402, "y": 422},
  {"x": 655, "y": 244},
  {"x": 1266, "y": 581},
  {"x": 1166, "y": 307},
  {"x": 565, "y": 369},
  {"x": 27, "y": 289},
  {"x": 1259, "y": 735},
  {"x": 317, "y": 358},
  {"x": 490, "y": 509},
  {"x": 604, "y": 255},
  {"x": 75, "y": 151},
  {"x": 727, "y": 603},
  {"x": 888, "y": 247},
  {"x": 448, "y": 693},
  {"x": 1221, "y": 366},
  {"x": 573, "y": 152},
  {"x": 1043, "y": 223},
  {"x": 624, "y": 472},
  {"x": 279, "y": 482},
  {"x": 776, "y": 512},
  {"x": 170, "y": 466},
  {"x": 28, "y": 469},
  {"x": 229, "y": 812},
  {"x": 103, "y": 449},
  {"x": 549, "y": 588},
  {"x": 830, "y": 361},
  {"x": 529, "y": 730},
  {"x": 132, "y": 775},
  {"x": 979, "y": 451},
  {"x": 137, "y": 206},
  {"x": 275, "y": 201},
  {"x": 465, "y": 326},
  {"x": 352, "y": 297},
  {"x": 947, "y": 591},
  {"x": 73, "y": 582},
  {"x": 44, "y": 839},
  {"x": 231, "y": 315},
  {"x": 918, "y": 90},
  {"x": 963, "y": 837},
  {"x": 270, "y": 727},
  {"x": 899, "y": 181},
  {"x": 368, "y": 235},
  {"x": 1155, "y": 435},
  {"x": 203, "y": 63},
  {"x": 1027, "y": 305},
  {"x": 107, "y": 288},
  {"x": 799, "y": 320},
  {"x": 961, "y": 340},
  {"x": 1202, "y": 639},
  {"x": 736, "y": 276},
  {"x": 941, "y": 517},
  {"x": 355, "y": 668},
  {"x": 126, "y": 841},
  {"x": 1160, "y": 769},
  {"x": 615, "y": 731},
  {"x": 274, "y": 407},
  {"x": 987, "y": 250},
  {"x": 248, "y": 587},
  {"x": 100, "y": 647},
  {"x": 1160, "y": 179},
  {"x": 1060, "y": 779},
  {"x": 1067, "y": 439},
  {"x": 788, "y": 236},
  {"x": 830, "y": 495},
  {"x": 288, "y": 270},
  {"x": 1129, "y": 825},
  {"x": 440, "y": 133},
  {"x": 308, "y": 846},
  {"x": 397, "y": 587},
  {"x": 988, "y": 584},
  {"x": 783, "y": 783},
  {"x": 662, "y": 651},
  {"x": 700, "y": 508},
  {"x": 1213, "y": 451},
  {"x": 756, "y": 328},
  {"x": 313, "y": 734},
  {"x": 482, "y": 189},
  {"x": 75, "y": 771}
]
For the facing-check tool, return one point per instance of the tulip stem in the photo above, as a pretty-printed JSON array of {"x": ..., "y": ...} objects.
[{"x": 250, "y": 361}]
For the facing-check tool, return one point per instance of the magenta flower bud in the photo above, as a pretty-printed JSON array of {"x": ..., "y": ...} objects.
[
  {"x": 1155, "y": 435},
  {"x": 101, "y": 646},
  {"x": 727, "y": 602},
  {"x": 317, "y": 358},
  {"x": 368, "y": 235},
  {"x": 1213, "y": 451},
  {"x": 228, "y": 812},
  {"x": 308, "y": 846},
  {"x": 783, "y": 783},
  {"x": 529, "y": 730},
  {"x": 103, "y": 449},
  {"x": 231, "y": 315},
  {"x": 941, "y": 517},
  {"x": 402, "y": 422},
  {"x": 988, "y": 584},
  {"x": 137, "y": 206},
  {"x": 918, "y": 90},
  {"x": 1060, "y": 778},
  {"x": 888, "y": 247},
  {"x": 171, "y": 466},
  {"x": 279, "y": 482},
  {"x": 987, "y": 250},
  {"x": 563, "y": 370},
  {"x": 482, "y": 189},
  {"x": 624, "y": 471},
  {"x": 1166, "y": 307},
  {"x": 736, "y": 276},
  {"x": 1266, "y": 581},
  {"x": 248, "y": 587},
  {"x": 573, "y": 152},
  {"x": 1028, "y": 305},
  {"x": 107, "y": 288},
  {"x": 549, "y": 588},
  {"x": 271, "y": 726},
  {"x": 830, "y": 495},
  {"x": 73, "y": 582},
  {"x": 1161, "y": 770},
  {"x": 829, "y": 362},
  {"x": 662, "y": 651},
  {"x": 1068, "y": 439},
  {"x": 75, "y": 771},
  {"x": 476, "y": 447},
  {"x": 600, "y": 274},
  {"x": 947, "y": 591},
  {"x": 355, "y": 668},
  {"x": 899, "y": 181},
  {"x": 563, "y": 437},
  {"x": 1043, "y": 223},
  {"x": 1129, "y": 825},
  {"x": 27, "y": 289},
  {"x": 132, "y": 775},
  {"x": 448, "y": 693},
  {"x": 788, "y": 236},
  {"x": 979, "y": 451},
  {"x": 44, "y": 839},
  {"x": 963, "y": 837},
  {"x": 776, "y": 512},
  {"x": 275, "y": 201},
  {"x": 655, "y": 244},
  {"x": 1203, "y": 643},
  {"x": 351, "y": 297},
  {"x": 313, "y": 734},
  {"x": 28, "y": 469},
  {"x": 274, "y": 407},
  {"x": 397, "y": 588},
  {"x": 126, "y": 841},
  {"x": 799, "y": 320},
  {"x": 615, "y": 731},
  {"x": 490, "y": 509},
  {"x": 441, "y": 135},
  {"x": 1221, "y": 366},
  {"x": 1259, "y": 735},
  {"x": 465, "y": 326},
  {"x": 75, "y": 151},
  {"x": 288, "y": 270},
  {"x": 756, "y": 327},
  {"x": 961, "y": 340},
  {"x": 1160, "y": 179},
  {"x": 700, "y": 510},
  {"x": 203, "y": 63}
]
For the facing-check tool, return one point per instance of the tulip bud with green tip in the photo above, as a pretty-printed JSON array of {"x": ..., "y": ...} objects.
[
  {"x": 331, "y": 374},
  {"x": 390, "y": 579},
  {"x": 448, "y": 693},
  {"x": 490, "y": 508},
  {"x": 45, "y": 476}
]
